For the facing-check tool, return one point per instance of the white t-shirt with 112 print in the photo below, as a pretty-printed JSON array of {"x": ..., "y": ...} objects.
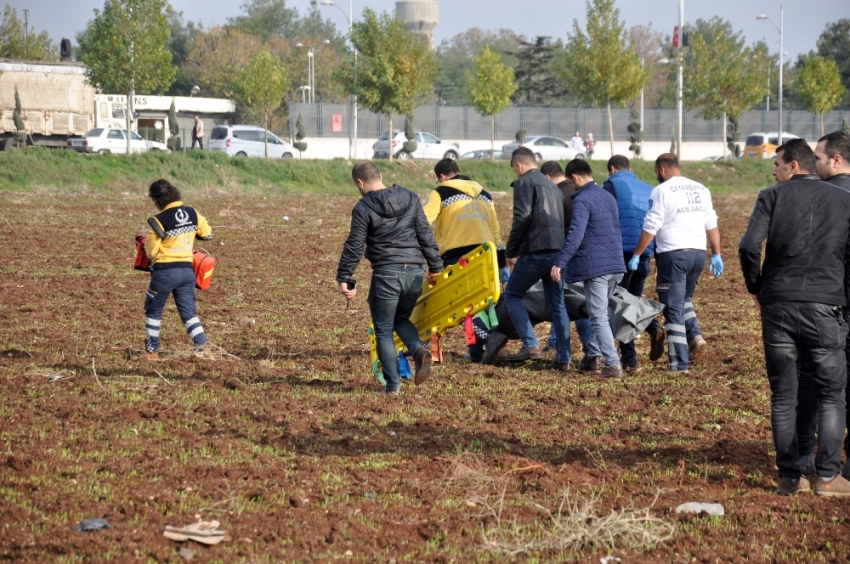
[{"x": 680, "y": 212}]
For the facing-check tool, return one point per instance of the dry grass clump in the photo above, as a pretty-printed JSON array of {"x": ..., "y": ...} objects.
[
  {"x": 207, "y": 352},
  {"x": 514, "y": 523}
]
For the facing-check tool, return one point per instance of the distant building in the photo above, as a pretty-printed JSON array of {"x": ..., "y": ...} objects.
[{"x": 421, "y": 16}]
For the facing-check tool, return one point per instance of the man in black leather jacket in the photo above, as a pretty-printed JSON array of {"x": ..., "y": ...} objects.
[
  {"x": 800, "y": 290},
  {"x": 832, "y": 162},
  {"x": 537, "y": 235},
  {"x": 390, "y": 224}
]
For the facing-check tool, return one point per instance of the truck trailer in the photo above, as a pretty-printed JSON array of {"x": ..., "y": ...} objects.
[{"x": 58, "y": 103}]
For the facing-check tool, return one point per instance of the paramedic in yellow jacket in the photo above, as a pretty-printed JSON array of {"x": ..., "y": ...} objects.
[
  {"x": 169, "y": 247},
  {"x": 462, "y": 214}
]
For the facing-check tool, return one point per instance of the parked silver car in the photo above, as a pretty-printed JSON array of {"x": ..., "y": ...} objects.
[
  {"x": 428, "y": 146},
  {"x": 247, "y": 141},
  {"x": 481, "y": 154},
  {"x": 545, "y": 148}
]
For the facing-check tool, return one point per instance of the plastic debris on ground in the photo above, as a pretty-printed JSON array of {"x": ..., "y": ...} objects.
[
  {"x": 204, "y": 532},
  {"x": 697, "y": 508},
  {"x": 92, "y": 525}
]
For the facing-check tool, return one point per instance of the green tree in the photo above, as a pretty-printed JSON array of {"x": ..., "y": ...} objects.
[
  {"x": 300, "y": 135},
  {"x": 491, "y": 85},
  {"x": 410, "y": 144},
  {"x": 601, "y": 66},
  {"x": 174, "y": 142},
  {"x": 834, "y": 43},
  {"x": 722, "y": 76},
  {"x": 19, "y": 43},
  {"x": 125, "y": 47},
  {"x": 819, "y": 86},
  {"x": 261, "y": 85},
  {"x": 20, "y": 128},
  {"x": 454, "y": 57},
  {"x": 538, "y": 71},
  {"x": 180, "y": 44},
  {"x": 266, "y": 18},
  {"x": 393, "y": 68},
  {"x": 217, "y": 56}
]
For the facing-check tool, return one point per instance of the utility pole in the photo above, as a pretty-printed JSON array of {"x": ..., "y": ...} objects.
[
  {"x": 26, "y": 33},
  {"x": 680, "y": 79}
]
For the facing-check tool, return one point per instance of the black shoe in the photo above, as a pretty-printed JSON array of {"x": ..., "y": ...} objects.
[
  {"x": 656, "y": 345},
  {"x": 495, "y": 343},
  {"x": 590, "y": 364},
  {"x": 559, "y": 366}
]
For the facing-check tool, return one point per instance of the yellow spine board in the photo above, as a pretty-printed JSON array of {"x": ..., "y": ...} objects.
[{"x": 467, "y": 287}]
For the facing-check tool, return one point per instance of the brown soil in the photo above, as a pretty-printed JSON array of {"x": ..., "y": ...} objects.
[{"x": 285, "y": 442}]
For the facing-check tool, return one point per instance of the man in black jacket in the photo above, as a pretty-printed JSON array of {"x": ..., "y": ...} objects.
[
  {"x": 800, "y": 291},
  {"x": 832, "y": 162},
  {"x": 537, "y": 235},
  {"x": 390, "y": 224}
]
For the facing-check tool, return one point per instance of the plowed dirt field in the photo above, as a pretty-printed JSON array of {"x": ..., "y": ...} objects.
[{"x": 284, "y": 442}]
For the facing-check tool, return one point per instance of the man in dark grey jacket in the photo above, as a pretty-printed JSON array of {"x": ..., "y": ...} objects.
[
  {"x": 537, "y": 234},
  {"x": 390, "y": 224},
  {"x": 800, "y": 290}
]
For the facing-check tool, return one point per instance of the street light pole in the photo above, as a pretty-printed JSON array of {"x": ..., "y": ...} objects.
[
  {"x": 26, "y": 33},
  {"x": 781, "y": 47},
  {"x": 680, "y": 80},
  {"x": 310, "y": 78},
  {"x": 352, "y": 132},
  {"x": 781, "y": 27}
]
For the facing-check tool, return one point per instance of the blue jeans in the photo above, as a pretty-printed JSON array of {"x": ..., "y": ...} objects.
[
  {"x": 597, "y": 292},
  {"x": 633, "y": 283},
  {"x": 392, "y": 296},
  {"x": 678, "y": 272},
  {"x": 807, "y": 333},
  {"x": 585, "y": 335},
  {"x": 179, "y": 281},
  {"x": 527, "y": 271}
]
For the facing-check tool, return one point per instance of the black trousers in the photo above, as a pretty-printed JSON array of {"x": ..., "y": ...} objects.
[
  {"x": 807, "y": 410},
  {"x": 813, "y": 335}
]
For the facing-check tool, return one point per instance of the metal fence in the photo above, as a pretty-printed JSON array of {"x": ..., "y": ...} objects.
[{"x": 463, "y": 122}]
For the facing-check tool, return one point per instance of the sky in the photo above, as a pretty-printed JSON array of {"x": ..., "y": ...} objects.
[{"x": 804, "y": 20}]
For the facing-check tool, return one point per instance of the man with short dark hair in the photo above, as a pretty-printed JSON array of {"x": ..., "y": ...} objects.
[
  {"x": 632, "y": 197},
  {"x": 832, "y": 163},
  {"x": 832, "y": 158},
  {"x": 680, "y": 217},
  {"x": 390, "y": 225},
  {"x": 553, "y": 171},
  {"x": 800, "y": 290},
  {"x": 463, "y": 217},
  {"x": 591, "y": 254},
  {"x": 537, "y": 234}
]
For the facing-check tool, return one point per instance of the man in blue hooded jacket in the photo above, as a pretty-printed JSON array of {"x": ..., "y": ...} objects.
[
  {"x": 592, "y": 254},
  {"x": 632, "y": 204}
]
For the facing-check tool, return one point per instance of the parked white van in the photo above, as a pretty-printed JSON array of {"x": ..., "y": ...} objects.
[{"x": 247, "y": 141}]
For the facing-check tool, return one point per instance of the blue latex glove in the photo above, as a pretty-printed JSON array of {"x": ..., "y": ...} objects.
[
  {"x": 504, "y": 274},
  {"x": 634, "y": 262},
  {"x": 715, "y": 265}
]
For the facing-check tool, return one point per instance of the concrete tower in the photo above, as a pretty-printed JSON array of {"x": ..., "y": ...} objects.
[{"x": 421, "y": 17}]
